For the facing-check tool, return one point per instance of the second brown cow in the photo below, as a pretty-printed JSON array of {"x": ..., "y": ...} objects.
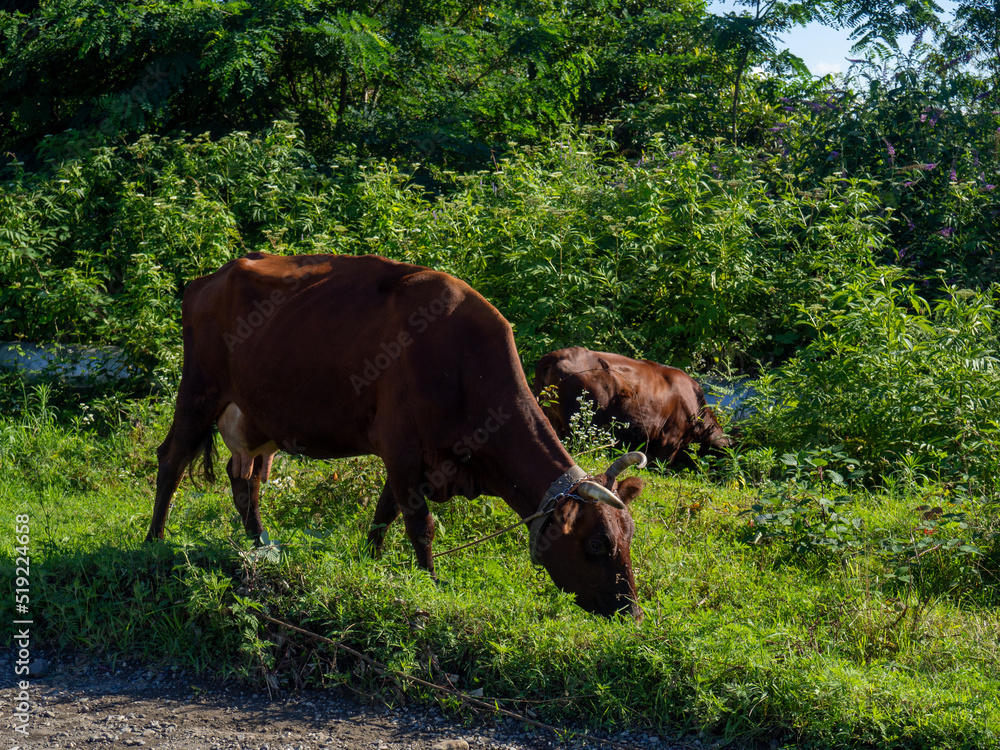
[{"x": 656, "y": 406}]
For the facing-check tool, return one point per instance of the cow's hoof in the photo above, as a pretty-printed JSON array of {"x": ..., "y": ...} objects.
[{"x": 372, "y": 550}]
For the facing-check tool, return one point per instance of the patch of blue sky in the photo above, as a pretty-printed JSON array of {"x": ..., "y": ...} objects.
[{"x": 823, "y": 49}]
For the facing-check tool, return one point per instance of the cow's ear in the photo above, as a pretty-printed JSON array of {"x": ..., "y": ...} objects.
[
  {"x": 629, "y": 489},
  {"x": 565, "y": 514}
]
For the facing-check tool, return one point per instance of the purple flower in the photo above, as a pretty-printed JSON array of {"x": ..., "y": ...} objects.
[
  {"x": 909, "y": 183},
  {"x": 946, "y": 232},
  {"x": 675, "y": 154},
  {"x": 927, "y": 167},
  {"x": 987, "y": 188},
  {"x": 890, "y": 151},
  {"x": 952, "y": 175}
]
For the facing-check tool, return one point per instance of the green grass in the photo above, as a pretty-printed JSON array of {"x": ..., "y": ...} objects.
[{"x": 827, "y": 646}]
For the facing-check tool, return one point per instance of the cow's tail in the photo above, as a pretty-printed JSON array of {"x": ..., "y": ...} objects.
[{"x": 206, "y": 447}]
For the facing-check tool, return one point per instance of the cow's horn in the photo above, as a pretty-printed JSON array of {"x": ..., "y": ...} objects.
[
  {"x": 597, "y": 493},
  {"x": 635, "y": 458}
]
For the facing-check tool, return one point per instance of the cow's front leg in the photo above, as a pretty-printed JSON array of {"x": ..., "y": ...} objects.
[
  {"x": 419, "y": 526},
  {"x": 386, "y": 512}
]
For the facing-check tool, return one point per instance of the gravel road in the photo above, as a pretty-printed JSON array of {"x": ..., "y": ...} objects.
[{"x": 85, "y": 704}]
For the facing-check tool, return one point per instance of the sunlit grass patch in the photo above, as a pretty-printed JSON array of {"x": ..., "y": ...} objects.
[{"x": 820, "y": 645}]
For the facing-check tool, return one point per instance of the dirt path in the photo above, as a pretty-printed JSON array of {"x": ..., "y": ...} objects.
[{"x": 86, "y": 705}]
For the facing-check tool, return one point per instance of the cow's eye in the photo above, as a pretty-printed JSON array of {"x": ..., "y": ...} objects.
[{"x": 597, "y": 547}]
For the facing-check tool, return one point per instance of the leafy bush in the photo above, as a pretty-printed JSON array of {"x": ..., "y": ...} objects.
[
  {"x": 820, "y": 516},
  {"x": 799, "y": 511},
  {"x": 892, "y": 379},
  {"x": 925, "y": 127},
  {"x": 685, "y": 256}
]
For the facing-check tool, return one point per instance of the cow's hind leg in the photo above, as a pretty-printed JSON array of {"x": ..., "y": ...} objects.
[
  {"x": 386, "y": 511},
  {"x": 185, "y": 440},
  {"x": 246, "y": 497}
]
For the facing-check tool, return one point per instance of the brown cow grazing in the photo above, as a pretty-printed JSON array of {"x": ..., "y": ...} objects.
[
  {"x": 658, "y": 406},
  {"x": 336, "y": 356}
]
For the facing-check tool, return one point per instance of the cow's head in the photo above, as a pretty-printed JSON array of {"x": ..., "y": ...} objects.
[
  {"x": 584, "y": 542},
  {"x": 709, "y": 432}
]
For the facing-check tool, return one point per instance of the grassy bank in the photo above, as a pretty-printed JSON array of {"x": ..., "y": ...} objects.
[{"x": 766, "y": 616}]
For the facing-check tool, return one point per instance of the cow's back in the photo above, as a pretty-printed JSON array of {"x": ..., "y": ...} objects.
[
  {"x": 224, "y": 313},
  {"x": 651, "y": 404},
  {"x": 372, "y": 345}
]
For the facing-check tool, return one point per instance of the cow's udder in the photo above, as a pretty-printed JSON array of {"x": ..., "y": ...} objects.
[{"x": 233, "y": 427}]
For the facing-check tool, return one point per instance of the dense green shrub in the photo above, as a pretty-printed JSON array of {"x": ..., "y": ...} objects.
[
  {"x": 898, "y": 382},
  {"x": 697, "y": 256},
  {"x": 927, "y": 130},
  {"x": 686, "y": 255}
]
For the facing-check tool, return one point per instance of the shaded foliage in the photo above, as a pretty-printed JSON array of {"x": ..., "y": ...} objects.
[{"x": 441, "y": 80}]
